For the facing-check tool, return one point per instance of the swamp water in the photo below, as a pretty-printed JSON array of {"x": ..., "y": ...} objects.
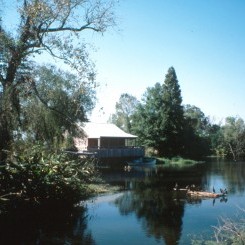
[{"x": 147, "y": 211}]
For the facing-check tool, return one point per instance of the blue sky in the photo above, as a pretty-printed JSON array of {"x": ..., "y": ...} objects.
[{"x": 203, "y": 40}]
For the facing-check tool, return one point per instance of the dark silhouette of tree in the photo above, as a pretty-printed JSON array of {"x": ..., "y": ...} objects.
[
  {"x": 51, "y": 27},
  {"x": 172, "y": 115},
  {"x": 159, "y": 119}
]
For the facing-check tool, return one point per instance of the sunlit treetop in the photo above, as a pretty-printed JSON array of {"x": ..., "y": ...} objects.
[{"x": 55, "y": 27}]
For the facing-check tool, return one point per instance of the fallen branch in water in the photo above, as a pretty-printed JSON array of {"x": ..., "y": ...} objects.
[{"x": 9, "y": 194}]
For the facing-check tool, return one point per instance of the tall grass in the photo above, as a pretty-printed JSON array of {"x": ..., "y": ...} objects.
[{"x": 228, "y": 232}]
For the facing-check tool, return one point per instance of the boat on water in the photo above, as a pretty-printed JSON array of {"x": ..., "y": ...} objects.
[{"x": 143, "y": 161}]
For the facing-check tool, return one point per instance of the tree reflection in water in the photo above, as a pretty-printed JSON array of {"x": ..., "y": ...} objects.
[
  {"x": 46, "y": 225},
  {"x": 157, "y": 206},
  {"x": 163, "y": 213},
  {"x": 160, "y": 210},
  {"x": 159, "y": 213}
]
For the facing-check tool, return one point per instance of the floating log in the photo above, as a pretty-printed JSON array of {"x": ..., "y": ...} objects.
[
  {"x": 180, "y": 189},
  {"x": 204, "y": 194}
]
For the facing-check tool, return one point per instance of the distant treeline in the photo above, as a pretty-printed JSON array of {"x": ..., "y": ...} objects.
[{"x": 163, "y": 124}]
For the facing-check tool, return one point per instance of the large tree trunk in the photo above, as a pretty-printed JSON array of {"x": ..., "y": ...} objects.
[
  {"x": 5, "y": 138},
  {"x": 8, "y": 115}
]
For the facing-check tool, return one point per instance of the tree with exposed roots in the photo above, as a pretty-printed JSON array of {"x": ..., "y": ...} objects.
[{"x": 50, "y": 27}]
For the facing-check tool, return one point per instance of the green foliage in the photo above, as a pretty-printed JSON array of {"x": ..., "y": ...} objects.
[
  {"x": 234, "y": 137},
  {"x": 159, "y": 120},
  {"x": 59, "y": 100},
  {"x": 196, "y": 133},
  {"x": 228, "y": 140},
  {"x": 172, "y": 115},
  {"x": 169, "y": 129},
  {"x": 39, "y": 175},
  {"x": 197, "y": 119},
  {"x": 52, "y": 28},
  {"x": 217, "y": 140},
  {"x": 146, "y": 122},
  {"x": 125, "y": 108}
]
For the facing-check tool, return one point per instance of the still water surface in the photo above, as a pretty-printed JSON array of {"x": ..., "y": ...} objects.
[
  {"x": 147, "y": 211},
  {"x": 150, "y": 212}
]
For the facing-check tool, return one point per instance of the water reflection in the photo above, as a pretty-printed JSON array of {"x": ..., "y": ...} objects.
[
  {"x": 161, "y": 210},
  {"x": 159, "y": 213},
  {"x": 47, "y": 225},
  {"x": 231, "y": 173},
  {"x": 156, "y": 205},
  {"x": 148, "y": 208}
]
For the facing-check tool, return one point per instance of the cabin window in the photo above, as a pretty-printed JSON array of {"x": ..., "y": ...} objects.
[
  {"x": 92, "y": 143},
  {"x": 112, "y": 142}
]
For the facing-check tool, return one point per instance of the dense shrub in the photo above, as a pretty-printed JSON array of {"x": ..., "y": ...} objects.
[{"x": 35, "y": 173}]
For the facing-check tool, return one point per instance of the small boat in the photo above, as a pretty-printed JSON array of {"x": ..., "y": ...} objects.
[{"x": 143, "y": 161}]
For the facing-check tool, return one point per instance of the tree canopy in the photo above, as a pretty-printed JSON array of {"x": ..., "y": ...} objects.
[
  {"x": 59, "y": 102},
  {"x": 125, "y": 109},
  {"x": 159, "y": 120},
  {"x": 146, "y": 120},
  {"x": 173, "y": 115},
  {"x": 234, "y": 137},
  {"x": 197, "y": 133},
  {"x": 44, "y": 27},
  {"x": 162, "y": 123}
]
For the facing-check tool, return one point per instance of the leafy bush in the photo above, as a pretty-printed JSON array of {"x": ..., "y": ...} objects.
[{"x": 37, "y": 174}]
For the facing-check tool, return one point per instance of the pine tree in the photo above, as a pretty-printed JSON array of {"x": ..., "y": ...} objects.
[{"x": 172, "y": 115}]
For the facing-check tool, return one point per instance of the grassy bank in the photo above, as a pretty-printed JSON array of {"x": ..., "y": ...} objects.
[
  {"x": 102, "y": 188},
  {"x": 176, "y": 161}
]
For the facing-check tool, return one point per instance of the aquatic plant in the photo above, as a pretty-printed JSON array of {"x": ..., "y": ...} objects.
[{"x": 38, "y": 174}]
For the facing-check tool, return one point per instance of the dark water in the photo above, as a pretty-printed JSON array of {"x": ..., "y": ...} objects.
[{"x": 148, "y": 211}]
